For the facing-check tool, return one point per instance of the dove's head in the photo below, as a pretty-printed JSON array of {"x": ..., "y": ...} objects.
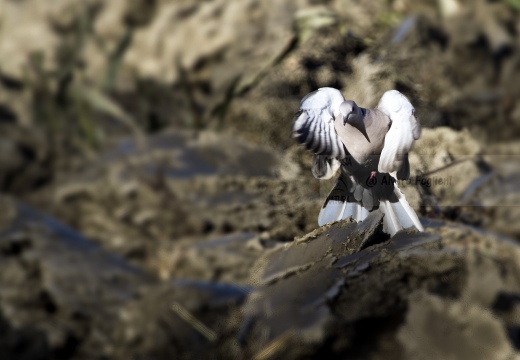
[{"x": 350, "y": 112}]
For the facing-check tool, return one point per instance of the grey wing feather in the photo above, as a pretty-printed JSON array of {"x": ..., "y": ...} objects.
[
  {"x": 324, "y": 167},
  {"x": 404, "y": 172},
  {"x": 314, "y": 123}
]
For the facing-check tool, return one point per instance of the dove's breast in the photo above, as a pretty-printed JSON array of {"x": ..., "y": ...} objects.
[{"x": 365, "y": 151}]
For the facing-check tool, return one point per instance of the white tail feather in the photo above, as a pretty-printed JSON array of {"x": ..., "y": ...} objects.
[
  {"x": 331, "y": 212},
  {"x": 391, "y": 223},
  {"x": 363, "y": 213},
  {"x": 339, "y": 210},
  {"x": 398, "y": 215}
]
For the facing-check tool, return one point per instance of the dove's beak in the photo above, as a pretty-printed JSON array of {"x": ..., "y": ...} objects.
[
  {"x": 351, "y": 119},
  {"x": 358, "y": 124}
]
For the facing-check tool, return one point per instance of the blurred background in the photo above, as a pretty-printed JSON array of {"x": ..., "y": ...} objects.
[{"x": 161, "y": 130}]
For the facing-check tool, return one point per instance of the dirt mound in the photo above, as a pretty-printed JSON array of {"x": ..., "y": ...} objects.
[
  {"x": 458, "y": 66},
  {"x": 344, "y": 290},
  {"x": 152, "y": 204},
  {"x": 184, "y": 233},
  {"x": 65, "y": 297}
]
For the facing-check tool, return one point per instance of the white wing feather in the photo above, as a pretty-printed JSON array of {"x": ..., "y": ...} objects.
[
  {"x": 402, "y": 133},
  {"x": 314, "y": 123}
]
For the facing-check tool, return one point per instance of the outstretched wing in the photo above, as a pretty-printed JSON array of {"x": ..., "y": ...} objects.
[
  {"x": 404, "y": 130},
  {"x": 314, "y": 123}
]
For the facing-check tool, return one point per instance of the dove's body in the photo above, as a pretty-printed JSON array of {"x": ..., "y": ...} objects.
[{"x": 372, "y": 147}]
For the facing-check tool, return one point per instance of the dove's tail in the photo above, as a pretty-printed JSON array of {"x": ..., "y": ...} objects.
[
  {"x": 350, "y": 199},
  {"x": 398, "y": 215}
]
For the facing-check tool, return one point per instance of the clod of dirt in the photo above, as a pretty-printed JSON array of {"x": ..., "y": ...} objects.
[{"x": 396, "y": 298}]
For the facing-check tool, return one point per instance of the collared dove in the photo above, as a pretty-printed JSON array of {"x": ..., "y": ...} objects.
[{"x": 370, "y": 145}]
